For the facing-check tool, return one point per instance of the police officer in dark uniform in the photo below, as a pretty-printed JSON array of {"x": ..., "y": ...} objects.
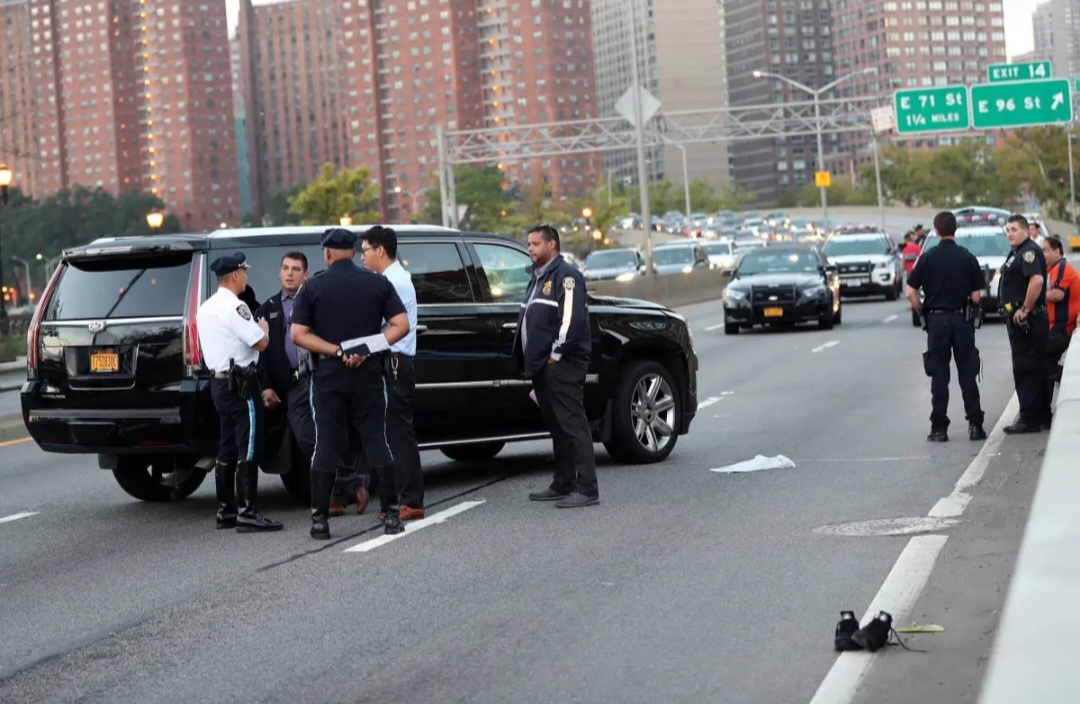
[
  {"x": 231, "y": 342},
  {"x": 952, "y": 282},
  {"x": 348, "y": 390},
  {"x": 1022, "y": 293},
  {"x": 552, "y": 347}
]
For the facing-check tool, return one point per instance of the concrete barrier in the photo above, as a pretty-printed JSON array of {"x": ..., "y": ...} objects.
[
  {"x": 670, "y": 290},
  {"x": 1034, "y": 656}
]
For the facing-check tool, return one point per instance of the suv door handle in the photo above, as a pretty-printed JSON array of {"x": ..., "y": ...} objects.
[
  {"x": 510, "y": 326},
  {"x": 421, "y": 329}
]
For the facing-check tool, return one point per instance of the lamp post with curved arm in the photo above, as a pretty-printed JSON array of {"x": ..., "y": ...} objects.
[{"x": 816, "y": 93}]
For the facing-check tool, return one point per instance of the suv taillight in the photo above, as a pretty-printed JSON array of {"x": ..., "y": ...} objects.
[
  {"x": 33, "y": 335},
  {"x": 192, "y": 357}
]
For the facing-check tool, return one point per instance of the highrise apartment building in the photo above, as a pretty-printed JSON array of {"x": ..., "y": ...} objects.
[
  {"x": 1042, "y": 26},
  {"x": 1064, "y": 21},
  {"x": 365, "y": 83},
  {"x": 123, "y": 95},
  {"x": 794, "y": 39}
]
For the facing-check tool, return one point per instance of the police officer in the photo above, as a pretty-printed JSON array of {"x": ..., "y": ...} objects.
[
  {"x": 1022, "y": 293},
  {"x": 348, "y": 391},
  {"x": 231, "y": 341},
  {"x": 952, "y": 282},
  {"x": 553, "y": 347}
]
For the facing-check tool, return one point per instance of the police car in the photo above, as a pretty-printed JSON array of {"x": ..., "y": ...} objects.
[
  {"x": 868, "y": 261},
  {"x": 984, "y": 236}
]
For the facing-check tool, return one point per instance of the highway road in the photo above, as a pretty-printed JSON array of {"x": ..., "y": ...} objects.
[{"x": 684, "y": 585}]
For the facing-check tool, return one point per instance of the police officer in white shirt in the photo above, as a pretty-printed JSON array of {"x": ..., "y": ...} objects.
[{"x": 231, "y": 341}]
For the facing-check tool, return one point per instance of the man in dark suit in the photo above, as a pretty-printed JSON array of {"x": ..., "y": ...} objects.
[{"x": 285, "y": 371}]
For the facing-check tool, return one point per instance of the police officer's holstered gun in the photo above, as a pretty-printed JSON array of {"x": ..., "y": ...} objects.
[
  {"x": 1007, "y": 311},
  {"x": 973, "y": 314},
  {"x": 244, "y": 381}
]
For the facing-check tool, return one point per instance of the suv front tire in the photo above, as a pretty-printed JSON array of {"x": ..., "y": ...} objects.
[{"x": 644, "y": 404}]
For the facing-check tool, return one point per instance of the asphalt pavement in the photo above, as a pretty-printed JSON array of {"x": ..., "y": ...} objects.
[{"x": 683, "y": 585}]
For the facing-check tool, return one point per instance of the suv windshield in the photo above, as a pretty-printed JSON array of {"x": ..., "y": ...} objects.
[
  {"x": 987, "y": 243},
  {"x": 611, "y": 260},
  {"x": 673, "y": 255},
  {"x": 764, "y": 261},
  {"x": 717, "y": 248},
  {"x": 841, "y": 246},
  {"x": 96, "y": 289}
]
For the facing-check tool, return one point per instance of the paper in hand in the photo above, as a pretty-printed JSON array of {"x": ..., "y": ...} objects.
[
  {"x": 532, "y": 395},
  {"x": 365, "y": 346}
]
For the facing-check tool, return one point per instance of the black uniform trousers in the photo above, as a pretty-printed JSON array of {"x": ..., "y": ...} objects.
[
  {"x": 348, "y": 406},
  {"x": 241, "y": 424},
  {"x": 560, "y": 393},
  {"x": 1029, "y": 368},
  {"x": 949, "y": 335},
  {"x": 400, "y": 436},
  {"x": 1055, "y": 348}
]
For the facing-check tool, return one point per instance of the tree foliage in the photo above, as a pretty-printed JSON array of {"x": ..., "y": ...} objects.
[
  {"x": 334, "y": 194},
  {"x": 666, "y": 196},
  {"x": 483, "y": 190},
  {"x": 841, "y": 192}
]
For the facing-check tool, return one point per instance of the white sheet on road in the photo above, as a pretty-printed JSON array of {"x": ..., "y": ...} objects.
[{"x": 759, "y": 463}]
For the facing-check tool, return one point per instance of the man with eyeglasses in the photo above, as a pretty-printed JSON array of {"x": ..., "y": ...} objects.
[{"x": 553, "y": 347}]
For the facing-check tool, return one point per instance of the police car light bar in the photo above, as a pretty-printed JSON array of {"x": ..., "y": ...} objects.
[{"x": 981, "y": 220}]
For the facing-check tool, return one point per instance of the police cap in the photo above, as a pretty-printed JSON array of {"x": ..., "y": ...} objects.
[
  {"x": 229, "y": 263},
  {"x": 339, "y": 238}
]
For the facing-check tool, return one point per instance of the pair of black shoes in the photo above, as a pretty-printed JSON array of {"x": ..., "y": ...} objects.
[
  {"x": 872, "y": 636},
  {"x": 1021, "y": 426},
  {"x": 975, "y": 432}
]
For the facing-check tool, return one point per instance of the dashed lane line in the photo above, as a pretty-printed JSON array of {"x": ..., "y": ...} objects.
[
  {"x": 890, "y": 319},
  {"x": 414, "y": 526},
  {"x": 827, "y": 345},
  {"x": 707, "y": 402},
  {"x": 18, "y": 516},
  {"x": 714, "y": 327}
]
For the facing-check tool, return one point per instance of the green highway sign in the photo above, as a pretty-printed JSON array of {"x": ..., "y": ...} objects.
[
  {"x": 932, "y": 109},
  {"x": 997, "y": 73},
  {"x": 1021, "y": 103}
]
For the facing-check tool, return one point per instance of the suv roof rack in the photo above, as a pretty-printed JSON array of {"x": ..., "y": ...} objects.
[{"x": 231, "y": 233}]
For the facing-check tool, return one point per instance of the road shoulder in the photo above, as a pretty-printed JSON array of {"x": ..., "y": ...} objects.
[{"x": 966, "y": 591}]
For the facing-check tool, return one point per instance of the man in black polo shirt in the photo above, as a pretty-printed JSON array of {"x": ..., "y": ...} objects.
[{"x": 951, "y": 280}]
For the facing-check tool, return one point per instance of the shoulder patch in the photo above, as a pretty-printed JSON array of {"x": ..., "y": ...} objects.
[
  {"x": 1029, "y": 256},
  {"x": 547, "y": 288},
  {"x": 242, "y": 309},
  {"x": 568, "y": 283}
]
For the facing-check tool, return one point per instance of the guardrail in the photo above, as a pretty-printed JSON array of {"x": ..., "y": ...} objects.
[
  {"x": 670, "y": 289},
  {"x": 1035, "y": 655}
]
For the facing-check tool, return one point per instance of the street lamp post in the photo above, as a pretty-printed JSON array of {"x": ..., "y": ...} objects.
[
  {"x": 685, "y": 178},
  {"x": 26, "y": 274},
  {"x": 816, "y": 94},
  {"x": 586, "y": 213},
  {"x": 6, "y": 176},
  {"x": 155, "y": 219}
]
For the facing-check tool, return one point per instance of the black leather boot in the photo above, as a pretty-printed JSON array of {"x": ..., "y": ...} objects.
[
  {"x": 247, "y": 493},
  {"x": 322, "y": 485},
  {"x": 224, "y": 478},
  {"x": 388, "y": 499}
]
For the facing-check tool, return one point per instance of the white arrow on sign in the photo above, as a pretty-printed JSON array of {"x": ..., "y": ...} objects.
[{"x": 1059, "y": 99}]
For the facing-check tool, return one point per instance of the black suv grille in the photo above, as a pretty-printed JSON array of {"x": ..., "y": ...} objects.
[
  {"x": 778, "y": 293},
  {"x": 856, "y": 268}
]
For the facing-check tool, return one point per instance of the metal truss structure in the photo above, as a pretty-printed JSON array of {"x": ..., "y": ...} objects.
[{"x": 734, "y": 124}]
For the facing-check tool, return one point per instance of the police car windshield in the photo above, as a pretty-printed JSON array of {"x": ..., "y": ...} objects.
[
  {"x": 856, "y": 244},
  {"x": 766, "y": 262},
  {"x": 611, "y": 260},
  {"x": 673, "y": 255},
  {"x": 984, "y": 243}
]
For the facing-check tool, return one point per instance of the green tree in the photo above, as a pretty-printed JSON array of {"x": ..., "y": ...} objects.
[
  {"x": 732, "y": 196},
  {"x": 1036, "y": 160},
  {"x": 483, "y": 190},
  {"x": 279, "y": 208},
  {"x": 336, "y": 193},
  {"x": 841, "y": 192}
]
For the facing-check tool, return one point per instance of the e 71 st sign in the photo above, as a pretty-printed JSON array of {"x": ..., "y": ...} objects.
[{"x": 932, "y": 110}]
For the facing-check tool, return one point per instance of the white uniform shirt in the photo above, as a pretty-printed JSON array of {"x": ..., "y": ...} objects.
[
  {"x": 400, "y": 277},
  {"x": 227, "y": 330}
]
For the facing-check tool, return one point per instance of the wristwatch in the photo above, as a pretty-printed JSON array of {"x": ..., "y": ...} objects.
[
  {"x": 340, "y": 353},
  {"x": 1023, "y": 308}
]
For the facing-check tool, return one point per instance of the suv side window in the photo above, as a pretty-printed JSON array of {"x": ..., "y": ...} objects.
[
  {"x": 508, "y": 271},
  {"x": 438, "y": 274}
]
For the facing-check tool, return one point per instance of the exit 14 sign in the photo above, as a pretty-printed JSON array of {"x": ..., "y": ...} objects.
[{"x": 1018, "y": 72}]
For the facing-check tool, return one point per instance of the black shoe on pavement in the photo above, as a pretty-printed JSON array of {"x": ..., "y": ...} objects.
[
  {"x": 938, "y": 436},
  {"x": 845, "y": 629},
  {"x": 548, "y": 495},
  {"x": 247, "y": 496},
  {"x": 875, "y": 634},
  {"x": 976, "y": 432},
  {"x": 255, "y": 522},
  {"x": 1022, "y": 427},
  {"x": 577, "y": 500},
  {"x": 225, "y": 518}
]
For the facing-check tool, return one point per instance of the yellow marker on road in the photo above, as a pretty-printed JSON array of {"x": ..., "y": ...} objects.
[
  {"x": 14, "y": 442},
  {"x": 917, "y": 628}
]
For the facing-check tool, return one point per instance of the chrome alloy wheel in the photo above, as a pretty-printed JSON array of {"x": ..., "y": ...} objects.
[{"x": 652, "y": 409}]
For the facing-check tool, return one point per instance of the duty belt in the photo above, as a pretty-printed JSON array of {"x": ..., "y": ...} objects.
[
  {"x": 941, "y": 311},
  {"x": 220, "y": 375}
]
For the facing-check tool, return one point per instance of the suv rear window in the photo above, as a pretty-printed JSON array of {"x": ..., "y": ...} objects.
[{"x": 120, "y": 288}]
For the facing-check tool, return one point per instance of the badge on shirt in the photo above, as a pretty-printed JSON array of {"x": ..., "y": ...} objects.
[
  {"x": 242, "y": 309},
  {"x": 547, "y": 288},
  {"x": 568, "y": 283},
  {"x": 1029, "y": 256}
]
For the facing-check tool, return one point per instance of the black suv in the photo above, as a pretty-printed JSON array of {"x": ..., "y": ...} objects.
[{"x": 114, "y": 366}]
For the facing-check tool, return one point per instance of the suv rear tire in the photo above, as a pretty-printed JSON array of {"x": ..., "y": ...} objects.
[
  {"x": 473, "y": 453},
  {"x": 632, "y": 410},
  {"x": 141, "y": 476}
]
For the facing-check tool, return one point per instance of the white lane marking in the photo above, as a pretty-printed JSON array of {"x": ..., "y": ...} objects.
[
  {"x": 727, "y": 393},
  {"x": 414, "y": 526},
  {"x": 714, "y": 327},
  {"x": 827, "y": 345},
  {"x": 890, "y": 318},
  {"x": 911, "y": 572},
  {"x": 897, "y": 596},
  {"x": 708, "y": 402},
  {"x": 17, "y": 516}
]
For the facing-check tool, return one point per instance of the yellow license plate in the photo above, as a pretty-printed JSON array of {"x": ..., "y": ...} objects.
[
  {"x": 104, "y": 362},
  {"x": 774, "y": 312}
]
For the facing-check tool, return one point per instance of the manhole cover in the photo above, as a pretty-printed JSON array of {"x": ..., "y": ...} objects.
[{"x": 887, "y": 526}]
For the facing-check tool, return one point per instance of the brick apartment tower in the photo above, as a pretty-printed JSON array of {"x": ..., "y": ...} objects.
[
  {"x": 364, "y": 83},
  {"x": 122, "y": 95}
]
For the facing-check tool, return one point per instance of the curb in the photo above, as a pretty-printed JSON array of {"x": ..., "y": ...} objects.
[{"x": 12, "y": 427}]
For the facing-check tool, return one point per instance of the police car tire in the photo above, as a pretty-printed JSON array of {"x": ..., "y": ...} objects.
[
  {"x": 839, "y": 317},
  {"x": 474, "y": 453},
  {"x": 623, "y": 446},
  {"x": 731, "y": 328},
  {"x": 892, "y": 293},
  {"x": 135, "y": 475}
]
